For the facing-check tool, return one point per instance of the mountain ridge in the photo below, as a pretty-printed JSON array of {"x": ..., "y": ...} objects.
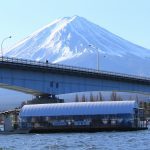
[{"x": 66, "y": 40}]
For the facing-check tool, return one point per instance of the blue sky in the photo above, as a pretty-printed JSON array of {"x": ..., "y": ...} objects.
[{"x": 127, "y": 18}]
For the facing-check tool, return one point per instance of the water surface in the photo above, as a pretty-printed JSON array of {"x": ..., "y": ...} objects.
[{"x": 133, "y": 140}]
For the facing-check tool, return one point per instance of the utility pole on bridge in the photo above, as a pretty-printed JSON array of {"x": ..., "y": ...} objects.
[
  {"x": 97, "y": 50},
  {"x": 2, "y": 45}
]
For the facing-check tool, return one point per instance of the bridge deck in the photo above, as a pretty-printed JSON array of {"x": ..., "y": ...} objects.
[{"x": 70, "y": 69}]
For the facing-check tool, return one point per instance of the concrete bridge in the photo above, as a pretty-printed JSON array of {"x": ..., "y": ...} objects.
[{"x": 43, "y": 78}]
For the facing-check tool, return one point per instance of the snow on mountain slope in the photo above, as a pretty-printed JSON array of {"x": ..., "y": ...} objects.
[{"x": 67, "y": 40}]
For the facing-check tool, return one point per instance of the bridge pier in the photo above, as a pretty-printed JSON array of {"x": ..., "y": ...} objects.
[{"x": 47, "y": 98}]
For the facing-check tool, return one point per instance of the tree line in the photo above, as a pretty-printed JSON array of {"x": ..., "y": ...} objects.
[{"x": 97, "y": 97}]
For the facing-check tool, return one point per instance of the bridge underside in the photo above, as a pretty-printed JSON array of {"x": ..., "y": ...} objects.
[
  {"x": 39, "y": 78},
  {"x": 21, "y": 89},
  {"x": 38, "y": 93}
]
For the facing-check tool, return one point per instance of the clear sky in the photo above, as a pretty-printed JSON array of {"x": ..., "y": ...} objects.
[{"x": 129, "y": 19}]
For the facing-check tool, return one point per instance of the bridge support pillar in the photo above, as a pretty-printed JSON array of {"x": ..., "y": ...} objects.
[{"x": 49, "y": 98}]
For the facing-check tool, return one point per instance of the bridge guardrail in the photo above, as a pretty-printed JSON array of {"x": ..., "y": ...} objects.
[{"x": 61, "y": 66}]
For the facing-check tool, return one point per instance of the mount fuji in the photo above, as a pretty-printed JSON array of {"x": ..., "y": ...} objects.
[{"x": 66, "y": 41}]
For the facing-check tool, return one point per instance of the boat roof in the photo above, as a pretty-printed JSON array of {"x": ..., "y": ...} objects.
[{"x": 79, "y": 108}]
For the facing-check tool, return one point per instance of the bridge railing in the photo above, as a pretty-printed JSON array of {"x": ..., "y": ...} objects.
[{"x": 61, "y": 66}]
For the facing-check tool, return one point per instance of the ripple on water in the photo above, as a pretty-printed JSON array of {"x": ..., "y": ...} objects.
[{"x": 138, "y": 140}]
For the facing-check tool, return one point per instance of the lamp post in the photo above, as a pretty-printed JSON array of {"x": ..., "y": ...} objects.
[
  {"x": 97, "y": 55},
  {"x": 2, "y": 45}
]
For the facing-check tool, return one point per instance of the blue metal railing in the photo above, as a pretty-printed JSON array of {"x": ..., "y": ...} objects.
[{"x": 73, "y": 68}]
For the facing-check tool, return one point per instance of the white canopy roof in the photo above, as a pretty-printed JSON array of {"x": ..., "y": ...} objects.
[{"x": 79, "y": 108}]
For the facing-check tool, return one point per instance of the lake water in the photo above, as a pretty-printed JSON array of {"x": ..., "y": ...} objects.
[{"x": 134, "y": 140}]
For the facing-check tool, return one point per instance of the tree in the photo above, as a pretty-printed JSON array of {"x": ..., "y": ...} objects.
[
  {"x": 113, "y": 96},
  {"x": 83, "y": 98},
  {"x": 91, "y": 97},
  {"x": 76, "y": 98},
  {"x": 137, "y": 98},
  {"x": 97, "y": 98},
  {"x": 101, "y": 97},
  {"x": 145, "y": 105},
  {"x": 142, "y": 104}
]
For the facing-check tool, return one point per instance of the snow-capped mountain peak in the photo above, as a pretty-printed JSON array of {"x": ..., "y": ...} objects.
[{"x": 66, "y": 40}]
